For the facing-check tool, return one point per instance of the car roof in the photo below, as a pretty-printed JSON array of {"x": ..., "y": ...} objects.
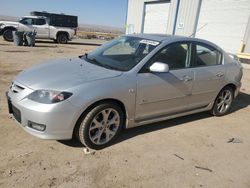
[
  {"x": 33, "y": 17},
  {"x": 158, "y": 37},
  {"x": 172, "y": 38}
]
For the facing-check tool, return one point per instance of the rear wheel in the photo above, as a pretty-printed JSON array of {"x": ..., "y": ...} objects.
[
  {"x": 223, "y": 102},
  {"x": 62, "y": 38},
  {"x": 7, "y": 35},
  {"x": 101, "y": 125}
]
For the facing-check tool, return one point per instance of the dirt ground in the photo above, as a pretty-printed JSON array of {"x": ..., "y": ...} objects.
[{"x": 165, "y": 154}]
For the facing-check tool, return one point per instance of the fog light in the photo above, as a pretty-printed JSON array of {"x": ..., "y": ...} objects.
[{"x": 36, "y": 126}]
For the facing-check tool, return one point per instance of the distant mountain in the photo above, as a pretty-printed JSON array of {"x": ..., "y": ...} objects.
[
  {"x": 8, "y": 18},
  {"x": 82, "y": 27},
  {"x": 101, "y": 28}
]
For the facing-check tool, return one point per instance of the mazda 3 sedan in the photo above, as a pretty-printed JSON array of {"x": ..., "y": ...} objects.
[{"x": 130, "y": 81}]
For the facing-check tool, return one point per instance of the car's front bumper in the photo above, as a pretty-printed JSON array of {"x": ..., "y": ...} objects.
[
  {"x": 58, "y": 118},
  {"x": 1, "y": 31}
]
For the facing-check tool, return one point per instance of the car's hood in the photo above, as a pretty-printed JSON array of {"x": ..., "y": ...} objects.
[
  {"x": 9, "y": 23},
  {"x": 63, "y": 74}
]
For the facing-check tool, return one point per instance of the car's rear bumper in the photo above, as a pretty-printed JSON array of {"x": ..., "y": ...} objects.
[{"x": 237, "y": 90}]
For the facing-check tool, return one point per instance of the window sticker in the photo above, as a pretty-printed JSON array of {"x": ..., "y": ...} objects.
[{"x": 150, "y": 42}]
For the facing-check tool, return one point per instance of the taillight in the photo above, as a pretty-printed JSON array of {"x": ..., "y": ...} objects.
[{"x": 75, "y": 31}]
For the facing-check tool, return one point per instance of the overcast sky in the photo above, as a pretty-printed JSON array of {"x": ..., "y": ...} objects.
[{"x": 99, "y": 12}]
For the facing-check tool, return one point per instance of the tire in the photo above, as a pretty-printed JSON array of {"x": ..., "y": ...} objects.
[
  {"x": 223, "y": 102},
  {"x": 62, "y": 38},
  {"x": 7, "y": 35},
  {"x": 100, "y": 126}
]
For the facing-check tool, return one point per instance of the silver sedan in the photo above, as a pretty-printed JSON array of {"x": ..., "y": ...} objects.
[{"x": 127, "y": 82}]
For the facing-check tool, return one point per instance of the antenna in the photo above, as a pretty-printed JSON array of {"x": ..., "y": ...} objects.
[{"x": 198, "y": 30}]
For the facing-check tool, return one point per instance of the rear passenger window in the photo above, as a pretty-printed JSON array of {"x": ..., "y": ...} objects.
[
  {"x": 207, "y": 56},
  {"x": 39, "y": 22}
]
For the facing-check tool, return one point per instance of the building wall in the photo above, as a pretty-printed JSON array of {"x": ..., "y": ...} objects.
[
  {"x": 246, "y": 39},
  {"x": 187, "y": 17},
  {"x": 224, "y": 22}
]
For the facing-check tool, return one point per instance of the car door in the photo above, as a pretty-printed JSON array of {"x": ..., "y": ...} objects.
[
  {"x": 161, "y": 94},
  {"x": 41, "y": 28},
  {"x": 209, "y": 74}
]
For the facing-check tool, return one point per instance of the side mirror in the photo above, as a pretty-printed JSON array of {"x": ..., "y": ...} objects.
[{"x": 159, "y": 67}]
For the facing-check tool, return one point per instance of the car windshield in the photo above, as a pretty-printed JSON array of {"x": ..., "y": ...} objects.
[{"x": 122, "y": 53}]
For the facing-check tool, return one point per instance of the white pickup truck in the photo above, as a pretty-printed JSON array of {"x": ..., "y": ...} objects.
[{"x": 41, "y": 25}]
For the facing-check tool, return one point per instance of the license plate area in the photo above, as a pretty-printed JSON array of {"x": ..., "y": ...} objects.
[{"x": 13, "y": 110}]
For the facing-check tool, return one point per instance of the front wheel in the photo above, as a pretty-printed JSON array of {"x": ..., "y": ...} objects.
[
  {"x": 101, "y": 125},
  {"x": 223, "y": 102},
  {"x": 7, "y": 35}
]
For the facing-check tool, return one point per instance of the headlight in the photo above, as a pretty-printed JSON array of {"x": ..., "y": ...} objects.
[
  {"x": 48, "y": 96},
  {"x": 1, "y": 25}
]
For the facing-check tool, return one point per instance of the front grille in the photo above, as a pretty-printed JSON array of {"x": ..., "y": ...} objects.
[
  {"x": 16, "y": 114},
  {"x": 16, "y": 88}
]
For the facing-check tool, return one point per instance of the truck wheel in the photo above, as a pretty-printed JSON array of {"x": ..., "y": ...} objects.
[
  {"x": 7, "y": 35},
  {"x": 62, "y": 38}
]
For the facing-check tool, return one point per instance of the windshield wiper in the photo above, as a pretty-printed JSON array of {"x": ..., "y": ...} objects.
[
  {"x": 86, "y": 55},
  {"x": 96, "y": 62}
]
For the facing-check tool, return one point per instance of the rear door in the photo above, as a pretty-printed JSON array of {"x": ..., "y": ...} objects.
[
  {"x": 161, "y": 94},
  {"x": 209, "y": 74}
]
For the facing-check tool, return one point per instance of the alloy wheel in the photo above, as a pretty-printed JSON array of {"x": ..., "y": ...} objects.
[
  {"x": 224, "y": 101},
  {"x": 104, "y": 126}
]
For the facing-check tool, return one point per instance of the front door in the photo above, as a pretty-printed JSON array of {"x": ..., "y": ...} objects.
[{"x": 161, "y": 94}]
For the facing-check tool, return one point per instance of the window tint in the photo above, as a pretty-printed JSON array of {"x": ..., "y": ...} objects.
[
  {"x": 39, "y": 22},
  {"x": 122, "y": 53},
  {"x": 27, "y": 21},
  {"x": 176, "y": 56},
  {"x": 207, "y": 56}
]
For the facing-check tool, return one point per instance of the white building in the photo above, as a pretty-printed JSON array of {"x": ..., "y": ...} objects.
[{"x": 224, "y": 22}]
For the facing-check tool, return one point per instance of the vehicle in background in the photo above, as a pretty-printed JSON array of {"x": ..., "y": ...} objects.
[{"x": 59, "y": 27}]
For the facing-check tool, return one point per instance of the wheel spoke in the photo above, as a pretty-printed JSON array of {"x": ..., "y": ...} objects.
[
  {"x": 220, "y": 103},
  {"x": 97, "y": 125},
  {"x": 98, "y": 136},
  {"x": 226, "y": 95},
  {"x": 228, "y": 101},
  {"x": 109, "y": 133},
  {"x": 105, "y": 114},
  {"x": 223, "y": 107},
  {"x": 114, "y": 120}
]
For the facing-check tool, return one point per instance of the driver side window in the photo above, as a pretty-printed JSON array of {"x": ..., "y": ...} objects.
[
  {"x": 177, "y": 56},
  {"x": 27, "y": 21}
]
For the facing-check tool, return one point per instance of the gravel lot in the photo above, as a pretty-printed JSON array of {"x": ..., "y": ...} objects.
[{"x": 191, "y": 151}]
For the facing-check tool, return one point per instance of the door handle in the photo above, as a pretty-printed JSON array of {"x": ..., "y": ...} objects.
[
  {"x": 220, "y": 74},
  {"x": 186, "y": 78}
]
